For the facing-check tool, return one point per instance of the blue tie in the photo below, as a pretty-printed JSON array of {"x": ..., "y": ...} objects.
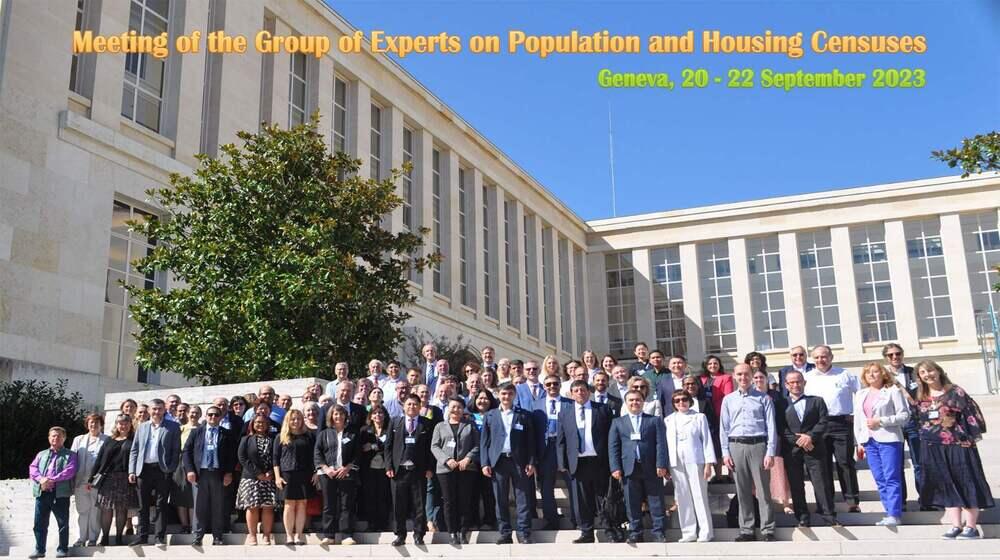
[{"x": 583, "y": 419}]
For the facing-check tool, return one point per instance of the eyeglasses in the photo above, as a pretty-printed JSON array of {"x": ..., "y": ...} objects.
[
  {"x": 680, "y": 400},
  {"x": 552, "y": 384},
  {"x": 530, "y": 369},
  {"x": 798, "y": 354},
  {"x": 210, "y": 414},
  {"x": 893, "y": 354}
]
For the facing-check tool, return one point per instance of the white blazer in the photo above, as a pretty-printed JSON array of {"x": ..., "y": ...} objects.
[
  {"x": 85, "y": 458},
  {"x": 698, "y": 440},
  {"x": 890, "y": 408}
]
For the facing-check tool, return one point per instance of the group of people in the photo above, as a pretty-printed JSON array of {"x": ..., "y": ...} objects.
[{"x": 440, "y": 451}]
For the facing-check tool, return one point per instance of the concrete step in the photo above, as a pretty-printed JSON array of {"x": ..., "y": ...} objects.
[{"x": 845, "y": 548}]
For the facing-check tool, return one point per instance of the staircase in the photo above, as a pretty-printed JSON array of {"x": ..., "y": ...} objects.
[{"x": 918, "y": 537}]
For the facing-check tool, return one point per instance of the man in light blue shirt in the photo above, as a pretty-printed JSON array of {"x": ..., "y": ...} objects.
[{"x": 749, "y": 442}]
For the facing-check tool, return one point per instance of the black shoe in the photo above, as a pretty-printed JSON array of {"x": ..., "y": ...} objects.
[
  {"x": 139, "y": 541},
  {"x": 928, "y": 508},
  {"x": 746, "y": 537},
  {"x": 832, "y": 521},
  {"x": 400, "y": 540},
  {"x": 633, "y": 539},
  {"x": 197, "y": 541},
  {"x": 466, "y": 536},
  {"x": 524, "y": 539},
  {"x": 454, "y": 539},
  {"x": 218, "y": 542},
  {"x": 418, "y": 540},
  {"x": 186, "y": 529},
  {"x": 104, "y": 541},
  {"x": 161, "y": 541},
  {"x": 855, "y": 508},
  {"x": 804, "y": 523},
  {"x": 584, "y": 538},
  {"x": 505, "y": 539},
  {"x": 769, "y": 537}
]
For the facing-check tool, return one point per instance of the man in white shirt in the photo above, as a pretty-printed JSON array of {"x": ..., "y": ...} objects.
[
  {"x": 341, "y": 373},
  {"x": 583, "y": 453},
  {"x": 429, "y": 368},
  {"x": 837, "y": 386},
  {"x": 619, "y": 384},
  {"x": 375, "y": 374}
]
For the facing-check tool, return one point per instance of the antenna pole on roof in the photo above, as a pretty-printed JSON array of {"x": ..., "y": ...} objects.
[{"x": 611, "y": 157}]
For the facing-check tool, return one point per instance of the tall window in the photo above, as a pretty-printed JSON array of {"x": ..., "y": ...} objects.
[
  {"x": 928, "y": 278},
  {"x": 548, "y": 288},
  {"x": 767, "y": 294},
  {"x": 716, "y": 282},
  {"x": 620, "y": 279},
  {"x": 375, "y": 159},
  {"x": 297, "y": 89},
  {"x": 564, "y": 315},
  {"x": 75, "y": 72},
  {"x": 339, "y": 114},
  {"x": 487, "y": 255},
  {"x": 408, "y": 180},
  {"x": 118, "y": 346},
  {"x": 981, "y": 237},
  {"x": 871, "y": 274},
  {"x": 142, "y": 91},
  {"x": 668, "y": 300},
  {"x": 463, "y": 249},
  {"x": 436, "y": 213},
  {"x": 581, "y": 316},
  {"x": 819, "y": 288},
  {"x": 530, "y": 275},
  {"x": 508, "y": 255}
]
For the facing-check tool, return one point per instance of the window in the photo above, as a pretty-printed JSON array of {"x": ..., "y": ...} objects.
[
  {"x": 981, "y": 237},
  {"x": 668, "y": 300},
  {"x": 487, "y": 255},
  {"x": 339, "y": 114},
  {"x": 408, "y": 180},
  {"x": 928, "y": 278},
  {"x": 717, "y": 297},
  {"x": 767, "y": 294},
  {"x": 75, "y": 70},
  {"x": 142, "y": 92},
  {"x": 297, "y": 90},
  {"x": 436, "y": 213},
  {"x": 548, "y": 288},
  {"x": 530, "y": 275},
  {"x": 564, "y": 314},
  {"x": 581, "y": 316},
  {"x": 509, "y": 266},
  {"x": 819, "y": 288},
  {"x": 463, "y": 239},
  {"x": 375, "y": 159},
  {"x": 620, "y": 279},
  {"x": 118, "y": 347},
  {"x": 871, "y": 274}
]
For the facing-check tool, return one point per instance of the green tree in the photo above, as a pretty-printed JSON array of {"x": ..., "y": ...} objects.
[
  {"x": 458, "y": 352},
  {"x": 27, "y": 410},
  {"x": 283, "y": 264},
  {"x": 978, "y": 154}
]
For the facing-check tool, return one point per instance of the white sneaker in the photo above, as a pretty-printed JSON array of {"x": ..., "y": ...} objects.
[
  {"x": 689, "y": 538},
  {"x": 888, "y": 521},
  {"x": 328, "y": 541},
  {"x": 704, "y": 539},
  {"x": 348, "y": 541}
]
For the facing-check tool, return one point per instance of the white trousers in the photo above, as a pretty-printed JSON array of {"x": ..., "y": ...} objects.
[
  {"x": 88, "y": 515},
  {"x": 691, "y": 495}
]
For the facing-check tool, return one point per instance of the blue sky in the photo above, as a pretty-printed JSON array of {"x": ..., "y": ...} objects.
[{"x": 686, "y": 148}]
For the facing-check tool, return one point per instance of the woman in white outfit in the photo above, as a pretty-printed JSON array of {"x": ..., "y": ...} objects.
[
  {"x": 692, "y": 458},
  {"x": 86, "y": 447}
]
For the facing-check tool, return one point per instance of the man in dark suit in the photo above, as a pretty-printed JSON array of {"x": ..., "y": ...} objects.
[
  {"x": 583, "y": 453},
  {"x": 667, "y": 384},
  {"x": 801, "y": 422},
  {"x": 357, "y": 415},
  {"x": 799, "y": 364},
  {"x": 507, "y": 450},
  {"x": 546, "y": 414},
  {"x": 637, "y": 446},
  {"x": 602, "y": 394},
  {"x": 153, "y": 459},
  {"x": 209, "y": 460},
  {"x": 408, "y": 463}
]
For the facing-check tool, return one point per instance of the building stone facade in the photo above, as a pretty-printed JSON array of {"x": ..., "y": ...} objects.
[{"x": 82, "y": 138}]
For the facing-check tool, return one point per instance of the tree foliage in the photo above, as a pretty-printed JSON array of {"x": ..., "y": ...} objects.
[
  {"x": 978, "y": 154},
  {"x": 282, "y": 262},
  {"x": 27, "y": 410}
]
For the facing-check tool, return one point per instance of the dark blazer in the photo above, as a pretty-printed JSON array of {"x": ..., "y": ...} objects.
[
  {"x": 665, "y": 391},
  {"x": 357, "y": 415},
  {"x": 194, "y": 450},
  {"x": 569, "y": 439},
  {"x": 375, "y": 445},
  {"x": 540, "y": 415},
  {"x": 169, "y": 450},
  {"x": 325, "y": 450},
  {"x": 396, "y": 441},
  {"x": 621, "y": 448},
  {"x": 297, "y": 455},
  {"x": 107, "y": 460},
  {"x": 236, "y": 427},
  {"x": 251, "y": 461},
  {"x": 523, "y": 445},
  {"x": 788, "y": 425},
  {"x": 614, "y": 403},
  {"x": 467, "y": 445}
]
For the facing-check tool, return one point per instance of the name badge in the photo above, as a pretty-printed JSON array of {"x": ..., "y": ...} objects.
[
  {"x": 345, "y": 440},
  {"x": 635, "y": 437},
  {"x": 382, "y": 438},
  {"x": 912, "y": 385},
  {"x": 518, "y": 427},
  {"x": 450, "y": 444},
  {"x": 209, "y": 447},
  {"x": 410, "y": 440},
  {"x": 933, "y": 415},
  {"x": 553, "y": 416}
]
